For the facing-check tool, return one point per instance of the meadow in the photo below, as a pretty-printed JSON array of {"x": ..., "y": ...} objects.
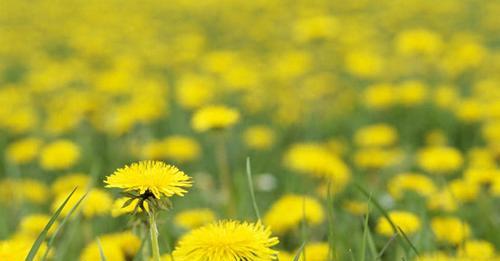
[{"x": 231, "y": 130}]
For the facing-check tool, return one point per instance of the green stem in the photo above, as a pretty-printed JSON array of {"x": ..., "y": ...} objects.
[
  {"x": 225, "y": 179},
  {"x": 153, "y": 232}
]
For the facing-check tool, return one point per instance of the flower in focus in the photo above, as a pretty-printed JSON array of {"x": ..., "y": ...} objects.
[
  {"x": 288, "y": 211},
  {"x": 227, "y": 240},
  {"x": 440, "y": 160},
  {"x": 214, "y": 117},
  {"x": 153, "y": 177},
  {"x": 59, "y": 155},
  {"x": 194, "y": 218},
  {"x": 259, "y": 137},
  {"x": 407, "y": 221},
  {"x": 23, "y": 151},
  {"x": 450, "y": 230}
]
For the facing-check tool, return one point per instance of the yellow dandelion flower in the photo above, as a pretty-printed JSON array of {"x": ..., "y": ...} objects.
[
  {"x": 376, "y": 135},
  {"x": 414, "y": 182},
  {"x": 356, "y": 207},
  {"x": 17, "y": 249},
  {"x": 214, "y": 117},
  {"x": 477, "y": 250},
  {"x": 314, "y": 159},
  {"x": 380, "y": 96},
  {"x": 440, "y": 159},
  {"x": 155, "y": 177},
  {"x": 97, "y": 203},
  {"x": 227, "y": 240},
  {"x": 58, "y": 155},
  {"x": 259, "y": 137},
  {"x": 375, "y": 158},
  {"x": 464, "y": 190},
  {"x": 181, "y": 148},
  {"x": 407, "y": 221},
  {"x": 412, "y": 92},
  {"x": 194, "y": 218},
  {"x": 289, "y": 211},
  {"x": 66, "y": 183},
  {"x": 23, "y": 151},
  {"x": 450, "y": 229},
  {"x": 33, "y": 224},
  {"x": 317, "y": 251}
]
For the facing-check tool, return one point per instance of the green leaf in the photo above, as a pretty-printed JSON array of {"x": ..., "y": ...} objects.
[{"x": 41, "y": 237}]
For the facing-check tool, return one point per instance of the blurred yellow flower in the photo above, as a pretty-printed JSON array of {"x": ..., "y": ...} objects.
[
  {"x": 440, "y": 159},
  {"x": 477, "y": 250},
  {"x": 116, "y": 247},
  {"x": 364, "y": 64},
  {"x": 380, "y": 96},
  {"x": 59, "y": 155},
  {"x": 356, "y": 207},
  {"x": 376, "y": 158},
  {"x": 418, "y": 42},
  {"x": 450, "y": 230},
  {"x": 214, "y": 117},
  {"x": 194, "y": 218},
  {"x": 259, "y": 137},
  {"x": 315, "y": 27},
  {"x": 194, "y": 91},
  {"x": 287, "y": 212},
  {"x": 97, "y": 203},
  {"x": 314, "y": 159},
  {"x": 32, "y": 225},
  {"x": 414, "y": 182},
  {"x": 65, "y": 184},
  {"x": 407, "y": 221},
  {"x": 412, "y": 92},
  {"x": 316, "y": 251},
  {"x": 376, "y": 135},
  {"x": 24, "y": 150},
  {"x": 227, "y": 240}
]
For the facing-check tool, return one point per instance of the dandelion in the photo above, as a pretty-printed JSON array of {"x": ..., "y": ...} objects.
[
  {"x": 194, "y": 218},
  {"x": 450, "y": 229},
  {"x": 23, "y": 151},
  {"x": 96, "y": 203},
  {"x": 214, "y": 117},
  {"x": 477, "y": 250},
  {"x": 290, "y": 210},
  {"x": 151, "y": 182},
  {"x": 376, "y": 135},
  {"x": 32, "y": 225},
  {"x": 259, "y": 137},
  {"x": 440, "y": 160},
  {"x": 414, "y": 182},
  {"x": 316, "y": 251},
  {"x": 227, "y": 240},
  {"x": 150, "y": 179},
  {"x": 59, "y": 155},
  {"x": 406, "y": 221}
]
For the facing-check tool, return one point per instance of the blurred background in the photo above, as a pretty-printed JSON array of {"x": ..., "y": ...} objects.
[{"x": 393, "y": 95}]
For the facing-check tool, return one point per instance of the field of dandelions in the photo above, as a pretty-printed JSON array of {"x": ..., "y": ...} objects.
[{"x": 234, "y": 130}]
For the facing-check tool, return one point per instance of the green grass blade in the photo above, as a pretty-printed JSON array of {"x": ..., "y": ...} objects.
[
  {"x": 412, "y": 246},
  {"x": 386, "y": 246},
  {"x": 378, "y": 206},
  {"x": 101, "y": 251},
  {"x": 299, "y": 252},
  {"x": 331, "y": 222},
  {"x": 252, "y": 193},
  {"x": 61, "y": 225},
  {"x": 41, "y": 237}
]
